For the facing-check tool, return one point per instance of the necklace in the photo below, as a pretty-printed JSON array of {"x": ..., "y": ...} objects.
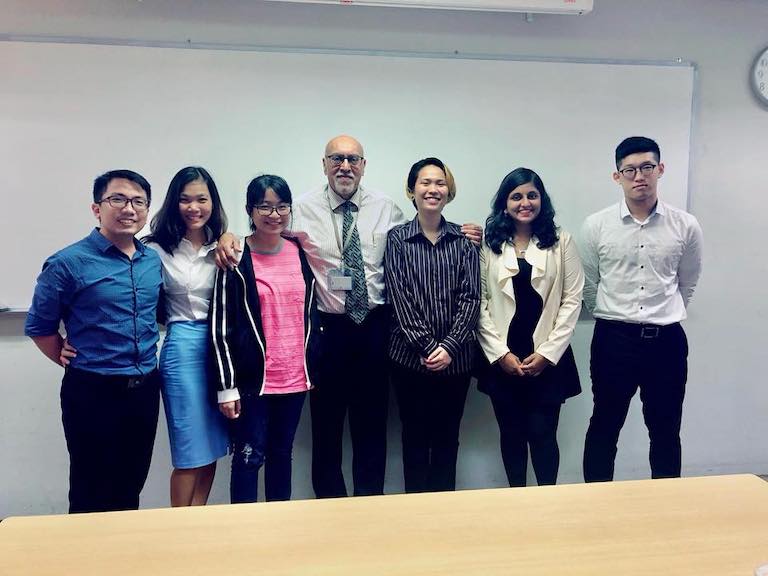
[{"x": 520, "y": 251}]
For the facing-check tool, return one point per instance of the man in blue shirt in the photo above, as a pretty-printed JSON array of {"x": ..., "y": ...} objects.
[{"x": 105, "y": 288}]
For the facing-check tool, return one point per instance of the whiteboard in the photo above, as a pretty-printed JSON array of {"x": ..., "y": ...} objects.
[{"x": 70, "y": 112}]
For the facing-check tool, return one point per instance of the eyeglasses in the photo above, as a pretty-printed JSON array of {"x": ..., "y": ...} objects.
[
  {"x": 139, "y": 204},
  {"x": 338, "y": 159},
  {"x": 630, "y": 172},
  {"x": 266, "y": 209}
]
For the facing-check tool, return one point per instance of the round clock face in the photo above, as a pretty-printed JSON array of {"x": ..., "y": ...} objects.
[{"x": 759, "y": 77}]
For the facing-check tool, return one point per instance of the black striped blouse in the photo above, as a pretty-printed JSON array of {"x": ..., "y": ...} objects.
[{"x": 435, "y": 294}]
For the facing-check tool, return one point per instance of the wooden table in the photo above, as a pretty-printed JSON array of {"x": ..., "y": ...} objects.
[{"x": 694, "y": 526}]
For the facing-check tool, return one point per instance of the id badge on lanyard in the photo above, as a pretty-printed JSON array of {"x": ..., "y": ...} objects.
[{"x": 340, "y": 278}]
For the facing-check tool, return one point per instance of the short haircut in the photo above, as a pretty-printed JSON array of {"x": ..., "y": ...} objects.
[
  {"x": 101, "y": 183},
  {"x": 500, "y": 227},
  {"x": 258, "y": 187},
  {"x": 168, "y": 227},
  {"x": 413, "y": 175},
  {"x": 636, "y": 145}
]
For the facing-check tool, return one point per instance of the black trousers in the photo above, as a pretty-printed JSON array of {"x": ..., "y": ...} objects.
[
  {"x": 354, "y": 379},
  {"x": 626, "y": 357},
  {"x": 525, "y": 421},
  {"x": 431, "y": 407},
  {"x": 109, "y": 425}
]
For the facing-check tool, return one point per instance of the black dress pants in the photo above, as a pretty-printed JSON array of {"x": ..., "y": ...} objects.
[
  {"x": 626, "y": 357},
  {"x": 527, "y": 420},
  {"x": 109, "y": 425},
  {"x": 431, "y": 407},
  {"x": 354, "y": 379}
]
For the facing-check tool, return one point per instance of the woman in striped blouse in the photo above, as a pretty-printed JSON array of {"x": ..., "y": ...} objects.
[{"x": 433, "y": 282}]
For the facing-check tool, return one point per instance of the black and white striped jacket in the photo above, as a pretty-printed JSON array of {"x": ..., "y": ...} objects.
[{"x": 237, "y": 342}]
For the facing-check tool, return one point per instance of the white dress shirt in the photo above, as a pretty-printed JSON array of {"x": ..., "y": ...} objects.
[
  {"x": 313, "y": 217},
  {"x": 640, "y": 272},
  {"x": 188, "y": 276}
]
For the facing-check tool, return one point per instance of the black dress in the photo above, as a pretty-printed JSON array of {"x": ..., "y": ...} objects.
[
  {"x": 527, "y": 312},
  {"x": 527, "y": 408},
  {"x": 555, "y": 383}
]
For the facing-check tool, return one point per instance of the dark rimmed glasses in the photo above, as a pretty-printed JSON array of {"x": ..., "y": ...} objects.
[
  {"x": 645, "y": 169},
  {"x": 338, "y": 159},
  {"x": 266, "y": 209},
  {"x": 138, "y": 203}
]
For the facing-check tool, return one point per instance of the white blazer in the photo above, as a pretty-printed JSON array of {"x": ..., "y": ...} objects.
[{"x": 556, "y": 276}]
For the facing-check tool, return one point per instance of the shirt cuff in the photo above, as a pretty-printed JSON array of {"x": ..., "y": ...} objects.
[
  {"x": 451, "y": 346},
  {"x": 228, "y": 395},
  {"x": 38, "y": 326},
  {"x": 429, "y": 348}
]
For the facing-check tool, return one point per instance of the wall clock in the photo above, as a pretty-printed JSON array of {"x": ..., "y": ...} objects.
[{"x": 758, "y": 77}]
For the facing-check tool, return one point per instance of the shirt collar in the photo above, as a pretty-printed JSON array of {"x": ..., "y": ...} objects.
[
  {"x": 336, "y": 200},
  {"x": 103, "y": 244},
  {"x": 625, "y": 213},
  {"x": 413, "y": 229},
  {"x": 205, "y": 249}
]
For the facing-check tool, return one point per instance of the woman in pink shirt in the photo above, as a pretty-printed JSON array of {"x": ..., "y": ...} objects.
[{"x": 265, "y": 345}]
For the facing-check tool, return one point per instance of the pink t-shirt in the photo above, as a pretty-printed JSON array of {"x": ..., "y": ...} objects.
[{"x": 281, "y": 293}]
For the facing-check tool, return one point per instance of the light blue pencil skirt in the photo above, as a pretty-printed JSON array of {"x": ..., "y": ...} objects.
[{"x": 197, "y": 430}]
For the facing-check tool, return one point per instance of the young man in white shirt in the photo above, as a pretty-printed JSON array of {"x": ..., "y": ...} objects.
[{"x": 642, "y": 260}]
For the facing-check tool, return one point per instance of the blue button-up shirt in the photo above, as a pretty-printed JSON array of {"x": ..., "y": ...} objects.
[{"x": 108, "y": 303}]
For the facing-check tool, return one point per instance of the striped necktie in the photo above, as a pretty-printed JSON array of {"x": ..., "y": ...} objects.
[{"x": 356, "y": 301}]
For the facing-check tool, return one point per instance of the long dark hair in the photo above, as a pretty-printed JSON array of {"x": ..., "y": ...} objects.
[
  {"x": 168, "y": 228},
  {"x": 500, "y": 227}
]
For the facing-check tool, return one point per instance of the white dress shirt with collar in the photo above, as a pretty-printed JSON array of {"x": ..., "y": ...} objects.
[
  {"x": 188, "y": 277},
  {"x": 312, "y": 223},
  {"x": 640, "y": 272}
]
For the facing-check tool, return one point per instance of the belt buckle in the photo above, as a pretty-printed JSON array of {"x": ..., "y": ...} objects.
[
  {"x": 649, "y": 332},
  {"x": 134, "y": 381}
]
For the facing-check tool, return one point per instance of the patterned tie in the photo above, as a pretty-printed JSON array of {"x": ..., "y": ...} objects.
[{"x": 356, "y": 302}]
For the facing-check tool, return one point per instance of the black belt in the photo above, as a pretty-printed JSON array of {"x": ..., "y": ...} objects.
[
  {"x": 333, "y": 317},
  {"x": 644, "y": 331},
  {"x": 120, "y": 381}
]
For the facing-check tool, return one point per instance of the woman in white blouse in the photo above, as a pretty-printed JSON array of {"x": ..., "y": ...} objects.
[
  {"x": 184, "y": 233},
  {"x": 531, "y": 280}
]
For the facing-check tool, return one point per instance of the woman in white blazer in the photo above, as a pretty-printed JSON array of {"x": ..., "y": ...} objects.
[{"x": 531, "y": 280}]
